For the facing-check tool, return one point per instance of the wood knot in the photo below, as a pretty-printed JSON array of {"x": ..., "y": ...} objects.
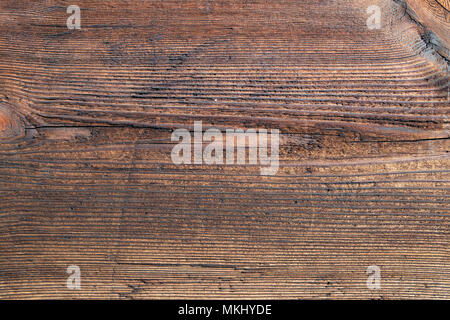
[
  {"x": 434, "y": 16},
  {"x": 11, "y": 126}
]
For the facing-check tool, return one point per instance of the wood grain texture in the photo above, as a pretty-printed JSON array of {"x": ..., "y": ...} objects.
[
  {"x": 434, "y": 15},
  {"x": 86, "y": 176}
]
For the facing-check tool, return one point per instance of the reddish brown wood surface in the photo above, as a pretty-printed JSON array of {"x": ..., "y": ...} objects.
[{"x": 86, "y": 176}]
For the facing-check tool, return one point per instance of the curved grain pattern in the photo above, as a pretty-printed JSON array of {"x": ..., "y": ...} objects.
[
  {"x": 11, "y": 126},
  {"x": 86, "y": 176},
  {"x": 435, "y": 16}
]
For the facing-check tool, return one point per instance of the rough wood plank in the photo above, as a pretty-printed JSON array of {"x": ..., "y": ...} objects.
[{"x": 87, "y": 179}]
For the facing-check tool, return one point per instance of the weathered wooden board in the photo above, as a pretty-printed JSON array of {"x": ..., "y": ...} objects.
[{"x": 86, "y": 176}]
